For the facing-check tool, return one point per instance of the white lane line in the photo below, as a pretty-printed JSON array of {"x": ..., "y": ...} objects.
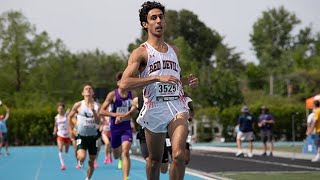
[
  {"x": 40, "y": 166},
  {"x": 192, "y": 172},
  {"x": 262, "y": 162}
]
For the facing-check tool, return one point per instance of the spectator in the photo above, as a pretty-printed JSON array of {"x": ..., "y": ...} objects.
[
  {"x": 316, "y": 128},
  {"x": 310, "y": 121},
  {"x": 4, "y": 130},
  {"x": 245, "y": 133},
  {"x": 266, "y": 123}
]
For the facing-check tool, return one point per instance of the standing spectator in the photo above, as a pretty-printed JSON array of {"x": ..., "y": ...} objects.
[
  {"x": 266, "y": 123},
  {"x": 316, "y": 128},
  {"x": 245, "y": 133},
  {"x": 4, "y": 130},
  {"x": 310, "y": 121}
]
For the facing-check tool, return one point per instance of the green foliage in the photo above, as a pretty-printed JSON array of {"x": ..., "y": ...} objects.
[
  {"x": 36, "y": 72},
  {"x": 31, "y": 126},
  {"x": 256, "y": 77},
  {"x": 272, "y": 38}
]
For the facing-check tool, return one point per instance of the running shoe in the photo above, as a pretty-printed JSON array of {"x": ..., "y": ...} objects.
[
  {"x": 63, "y": 167},
  {"x": 270, "y": 154},
  {"x": 79, "y": 165},
  {"x": 250, "y": 155},
  {"x": 120, "y": 164},
  {"x": 95, "y": 164},
  {"x": 106, "y": 160},
  {"x": 316, "y": 159},
  {"x": 239, "y": 153},
  {"x": 264, "y": 154}
]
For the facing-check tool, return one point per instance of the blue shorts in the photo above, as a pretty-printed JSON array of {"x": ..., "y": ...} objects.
[
  {"x": 317, "y": 139},
  {"x": 4, "y": 138},
  {"x": 118, "y": 136}
]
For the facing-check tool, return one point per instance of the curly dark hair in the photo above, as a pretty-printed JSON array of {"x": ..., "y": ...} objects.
[
  {"x": 119, "y": 75},
  {"x": 146, "y": 7}
]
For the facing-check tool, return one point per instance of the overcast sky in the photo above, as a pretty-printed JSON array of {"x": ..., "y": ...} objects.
[{"x": 110, "y": 25}]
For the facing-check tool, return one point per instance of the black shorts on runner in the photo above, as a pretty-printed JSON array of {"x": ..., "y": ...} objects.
[
  {"x": 89, "y": 143},
  {"x": 165, "y": 156}
]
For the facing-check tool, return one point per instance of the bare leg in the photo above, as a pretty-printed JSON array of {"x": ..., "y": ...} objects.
[
  {"x": 250, "y": 146},
  {"x": 74, "y": 144},
  {"x": 239, "y": 144},
  {"x": 81, "y": 155},
  {"x": 107, "y": 147},
  {"x": 66, "y": 147},
  {"x": 178, "y": 132},
  {"x": 271, "y": 146},
  {"x": 126, "y": 159},
  {"x": 60, "y": 148},
  {"x": 117, "y": 152},
  {"x": 1, "y": 142},
  {"x": 264, "y": 147},
  {"x": 155, "y": 143},
  {"x": 164, "y": 167},
  {"x": 91, "y": 165}
]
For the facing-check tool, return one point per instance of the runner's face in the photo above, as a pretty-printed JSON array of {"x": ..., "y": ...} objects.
[
  {"x": 156, "y": 22},
  {"x": 60, "y": 109},
  {"x": 87, "y": 91}
]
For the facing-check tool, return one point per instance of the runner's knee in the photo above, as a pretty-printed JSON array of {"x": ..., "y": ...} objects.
[
  {"x": 178, "y": 157},
  {"x": 154, "y": 162}
]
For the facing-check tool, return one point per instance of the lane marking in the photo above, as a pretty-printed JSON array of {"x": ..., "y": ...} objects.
[
  {"x": 192, "y": 172},
  {"x": 40, "y": 165},
  {"x": 262, "y": 162}
]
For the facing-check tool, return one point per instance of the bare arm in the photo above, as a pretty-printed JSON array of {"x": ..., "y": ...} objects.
[
  {"x": 73, "y": 111},
  {"x": 104, "y": 110},
  {"x": 95, "y": 114},
  {"x": 311, "y": 129},
  {"x": 191, "y": 81},
  {"x": 7, "y": 112},
  {"x": 55, "y": 126},
  {"x": 191, "y": 111},
  {"x": 129, "y": 78},
  {"x": 128, "y": 115}
]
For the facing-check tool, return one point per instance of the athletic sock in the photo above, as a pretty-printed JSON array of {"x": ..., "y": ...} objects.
[{"x": 61, "y": 158}]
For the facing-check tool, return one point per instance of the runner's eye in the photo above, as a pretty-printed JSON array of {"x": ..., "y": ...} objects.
[{"x": 154, "y": 17}]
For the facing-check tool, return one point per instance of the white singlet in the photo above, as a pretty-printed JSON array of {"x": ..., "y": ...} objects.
[
  {"x": 62, "y": 125},
  {"x": 162, "y": 101},
  {"x": 86, "y": 125}
]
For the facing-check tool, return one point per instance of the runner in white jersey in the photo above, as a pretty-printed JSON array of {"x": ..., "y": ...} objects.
[
  {"x": 62, "y": 132},
  {"x": 164, "y": 108},
  {"x": 87, "y": 121}
]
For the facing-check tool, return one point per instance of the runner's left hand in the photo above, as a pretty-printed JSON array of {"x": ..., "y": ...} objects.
[{"x": 193, "y": 81}]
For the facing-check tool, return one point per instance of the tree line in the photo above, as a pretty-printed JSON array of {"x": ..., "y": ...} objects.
[{"x": 37, "y": 71}]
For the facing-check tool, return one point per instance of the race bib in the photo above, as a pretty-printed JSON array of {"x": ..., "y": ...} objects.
[
  {"x": 189, "y": 138},
  {"x": 106, "y": 128},
  {"x": 78, "y": 141},
  {"x": 166, "y": 91},
  {"x": 168, "y": 142},
  {"x": 122, "y": 109}
]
